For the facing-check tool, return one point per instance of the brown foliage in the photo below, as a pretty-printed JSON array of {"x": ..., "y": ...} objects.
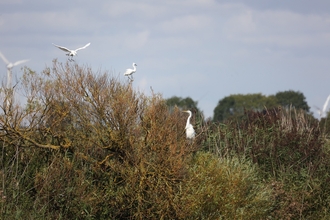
[{"x": 110, "y": 138}]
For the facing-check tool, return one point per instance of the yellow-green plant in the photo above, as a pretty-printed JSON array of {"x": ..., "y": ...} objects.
[{"x": 224, "y": 188}]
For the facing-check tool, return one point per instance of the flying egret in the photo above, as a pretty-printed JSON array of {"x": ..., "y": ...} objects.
[
  {"x": 71, "y": 52},
  {"x": 129, "y": 72},
  {"x": 9, "y": 73},
  {"x": 321, "y": 112},
  {"x": 190, "y": 132}
]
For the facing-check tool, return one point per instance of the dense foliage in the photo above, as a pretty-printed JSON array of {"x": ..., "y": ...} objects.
[
  {"x": 291, "y": 98},
  {"x": 87, "y": 146},
  {"x": 234, "y": 106}
]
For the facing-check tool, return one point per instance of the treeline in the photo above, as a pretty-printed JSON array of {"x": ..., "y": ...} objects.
[
  {"x": 234, "y": 106},
  {"x": 87, "y": 146}
]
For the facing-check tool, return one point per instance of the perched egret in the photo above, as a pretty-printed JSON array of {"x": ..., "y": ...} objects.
[
  {"x": 71, "y": 53},
  {"x": 9, "y": 73},
  {"x": 190, "y": 132},
  {"x": 129, "y": 72}
]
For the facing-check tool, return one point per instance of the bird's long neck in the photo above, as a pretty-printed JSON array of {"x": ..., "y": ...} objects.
[
  {"x": 134, "y": 68},
  {"x": 188, "y": 120}
]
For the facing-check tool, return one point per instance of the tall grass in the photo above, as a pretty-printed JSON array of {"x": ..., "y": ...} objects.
[{"x": 289, "y": 149}]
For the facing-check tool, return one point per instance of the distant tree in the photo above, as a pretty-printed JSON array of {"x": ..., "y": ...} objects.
[
  {"x": 234, "y": 105},
  {"x": 185, "y": 104},
  {"x": 292, "y": 98},
  {"x": 224, "y": 109}
]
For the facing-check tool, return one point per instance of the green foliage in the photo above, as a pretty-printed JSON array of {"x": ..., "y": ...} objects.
[
  {"x": 226, "y": 188},
  {"x": 233, "y": 106},
  {"x": 288, "y": 99},
  {"x": 325, "y": 124},
  {"x": 183, "y": 103},
  {"x": 288, "y": 148}
]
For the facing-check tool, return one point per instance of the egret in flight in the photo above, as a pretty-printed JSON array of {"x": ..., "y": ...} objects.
[
  {"x": 129, "y": 72},
  {"x": 71, "y": 53},
  {"x": 190, "y": 132},
  {"x": 9, "y": 73},
  {"x": 322, "y": 111}
]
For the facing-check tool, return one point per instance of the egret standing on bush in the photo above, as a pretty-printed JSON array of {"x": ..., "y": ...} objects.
[
  {"x": 190, "y": 132},
  {"x": 129, "y": 72}
]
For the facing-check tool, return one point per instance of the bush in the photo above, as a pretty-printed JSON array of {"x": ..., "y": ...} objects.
[
  {"x": 226, "y": 188},
  {"x": 120, "y": 154},
  {"x": 288, "y": 147}
]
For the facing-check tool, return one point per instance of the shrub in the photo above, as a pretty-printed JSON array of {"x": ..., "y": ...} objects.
[
  {"x": 288, "y": 148},
  {"x": 225, "y": 188},
  {"x": 120, "y": 154}
]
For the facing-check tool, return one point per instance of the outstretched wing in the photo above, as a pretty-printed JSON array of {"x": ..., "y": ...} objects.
[
  {"x": 19, "y": 62},
  {"x": 62, "y": 48},
  {"x": 326, "y": 104},
  {"x": 4, "y": 58},
  {"x": 83, "y": 47}
]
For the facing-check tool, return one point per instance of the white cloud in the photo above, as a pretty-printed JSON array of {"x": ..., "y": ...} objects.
[
  {"x": 74, "y": 20},
  {"x": 186, "y": 23},
  {"x": 240, "y": 24},
  {"x": 131, "y": 9},
  {"x": 281, "y": 28}
]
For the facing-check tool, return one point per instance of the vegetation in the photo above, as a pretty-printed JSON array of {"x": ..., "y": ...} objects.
[
  {"x": 291, "y": 98},
  {"x": 183, "y": 103},
  {"x": 87, "y": 146},
  {"x": 234, "y": 106}
]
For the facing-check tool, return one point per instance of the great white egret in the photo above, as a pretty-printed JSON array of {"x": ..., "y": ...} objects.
[
  {"x": 321, "y": 112},
  {"x": 71, "y": 53},
  {"x": 190, "y": 132},
  {"x": 9, "y": 74},
  {"x": 129, "y": 72}
]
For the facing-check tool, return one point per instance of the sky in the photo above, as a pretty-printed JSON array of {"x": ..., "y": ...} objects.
[{"x": 202, "y": 49}]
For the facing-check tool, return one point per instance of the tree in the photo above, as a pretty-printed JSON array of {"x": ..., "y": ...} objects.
[
  {"x": 235, "y": 105},
  {"x": 183, "y": 103},
  {"x": 291, "y": 98},
  {"x": 224, "y": 109}
]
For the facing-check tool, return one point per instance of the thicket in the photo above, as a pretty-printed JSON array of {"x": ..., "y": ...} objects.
[
  {"x": 291, "y": 152},
  {"x": 87, "y": 146}
]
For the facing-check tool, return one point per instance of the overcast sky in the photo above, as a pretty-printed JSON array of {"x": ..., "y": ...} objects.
[{"x": 203, "y": 49}]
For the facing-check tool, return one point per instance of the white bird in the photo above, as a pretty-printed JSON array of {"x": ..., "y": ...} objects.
[
  {"x": 71, "y": 52},
  {"x": 190, "y": 132},
  {"x": 9, "y": 73},
  {"x": 321, "y": 112},
  {"x": 9, "y": 64},
  {"x": 129, "y": 72}
]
